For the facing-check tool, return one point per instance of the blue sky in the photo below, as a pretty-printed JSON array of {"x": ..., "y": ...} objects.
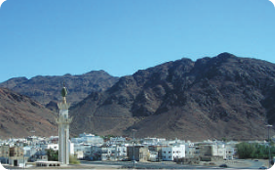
[{"x": 55, "y": 37}]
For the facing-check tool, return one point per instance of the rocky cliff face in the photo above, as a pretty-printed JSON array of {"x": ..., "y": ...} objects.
[
  {"x": 46, "y": 89},
  {"x": 224, "y": 96},
  {"x": 20, "y": 116}
]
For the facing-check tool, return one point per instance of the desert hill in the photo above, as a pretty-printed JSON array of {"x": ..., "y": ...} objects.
[
  {"x": 220, "y": 97},
  {"x": 20, "y": 116},
  {"x": 46, "y": 89},
  {"x": 211, "y": 98}
]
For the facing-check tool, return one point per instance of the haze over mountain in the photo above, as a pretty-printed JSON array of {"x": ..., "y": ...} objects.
[
  {"x": 46, "y": 89},
  {"x": 224, "y": 96}
]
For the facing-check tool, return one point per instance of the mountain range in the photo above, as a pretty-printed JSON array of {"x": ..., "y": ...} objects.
[
  {"x": 46, "y": 89},
  {"x": 212, "y": 98}
]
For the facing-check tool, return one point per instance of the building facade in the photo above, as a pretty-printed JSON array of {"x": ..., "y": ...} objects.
[{"x": 171, "y": 153}]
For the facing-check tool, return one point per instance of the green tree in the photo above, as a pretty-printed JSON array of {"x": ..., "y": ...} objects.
[
  {"x": 52, "y": 155},
  {"x": 254, "y": 150},
  {"x": 245, "y": 150}
]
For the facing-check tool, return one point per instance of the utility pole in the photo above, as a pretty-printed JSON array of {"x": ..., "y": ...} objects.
[{"x": 269, "y": 156}]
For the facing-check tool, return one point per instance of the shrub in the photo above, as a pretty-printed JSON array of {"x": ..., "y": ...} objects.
[{"x": 73, "y": 160}]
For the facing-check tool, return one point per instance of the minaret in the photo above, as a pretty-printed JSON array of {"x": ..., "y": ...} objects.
[{"x": 63, "y": 122}]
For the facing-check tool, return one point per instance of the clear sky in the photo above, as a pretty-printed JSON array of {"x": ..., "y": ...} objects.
[{"x": 55, "y": 37}]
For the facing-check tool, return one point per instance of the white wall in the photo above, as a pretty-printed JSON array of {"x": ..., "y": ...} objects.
[
  {"x": 171, "y": 153},
  {"x": 52, "y": 146},
  {"x": 219, "y": 150},
  {"x": 190, "y": 150}
]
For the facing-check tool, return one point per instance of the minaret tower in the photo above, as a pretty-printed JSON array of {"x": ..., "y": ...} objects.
[{"x": 63, "y": 122}]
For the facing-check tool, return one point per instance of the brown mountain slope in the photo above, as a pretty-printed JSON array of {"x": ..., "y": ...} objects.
[
  {"x": 46, "y": 89},
  {"x": 20, "y": 116},
  {"x": 224, "y": 96}
]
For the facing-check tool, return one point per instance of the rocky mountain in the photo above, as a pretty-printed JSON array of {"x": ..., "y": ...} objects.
[
  {"x": 220, "y": 97},
  {"x": 20, "y": 116},
  {"x": 46, "y": 89}
]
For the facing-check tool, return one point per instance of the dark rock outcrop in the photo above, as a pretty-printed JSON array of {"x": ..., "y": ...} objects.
[
  {"x": 46, "y": 89},
  {"x": 223, "y": 96}
]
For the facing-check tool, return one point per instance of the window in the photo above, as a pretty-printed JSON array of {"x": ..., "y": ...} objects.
[
  {"x": 164, "y": 157},
  {"x": 169, "y": 152},
  {"x": 164, "y": 151}
]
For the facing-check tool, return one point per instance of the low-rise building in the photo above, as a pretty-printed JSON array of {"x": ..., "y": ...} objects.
[
  {"x": 153, "y": 149},
  {"x": 230, "y": 152},
  {"x": 171, "y": 153},
  {"x": 88, "y": 139},
  {"x": 4, "y": 154},
  {"x": 191, "y": 150},
  {"x": 138, "y": 153},
  {"x": 114, "y": 152},
  {"x": 82, "y": 151},
  {"x": 153, "y": 141}
]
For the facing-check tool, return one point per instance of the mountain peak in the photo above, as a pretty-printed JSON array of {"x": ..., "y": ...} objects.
[
  {"x": 226, "y": 55},
  {"x": 46, "y": 88}
]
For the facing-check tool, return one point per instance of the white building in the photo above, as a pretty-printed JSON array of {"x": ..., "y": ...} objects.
[
  {"x": 113, "y": 152},
  {"x": 29, "y": 151},
  {"x": 120, "y": 152},
  {"x": 171, "y": 153},
  {"x": 153, "y": 141},
  {"x": 117, "y": 140},
  {"x": 88, "y": 139},
  {"x": 219, "y": 150},
  {"x": 153, "y": 156},
  {"x": 107, "y": 153},
  {"x": 230, "y": 151},
  {"x": 82, "y": 151},
  {"x": 190, "y": 150},
  {"x": 55, "y": 147},
  {"x": 52, "y": 146}
]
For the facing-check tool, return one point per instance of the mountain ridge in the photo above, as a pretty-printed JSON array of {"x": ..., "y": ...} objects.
[
  {"x": 46, "y": 89},
  {"x": 210, "y": 97}
]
